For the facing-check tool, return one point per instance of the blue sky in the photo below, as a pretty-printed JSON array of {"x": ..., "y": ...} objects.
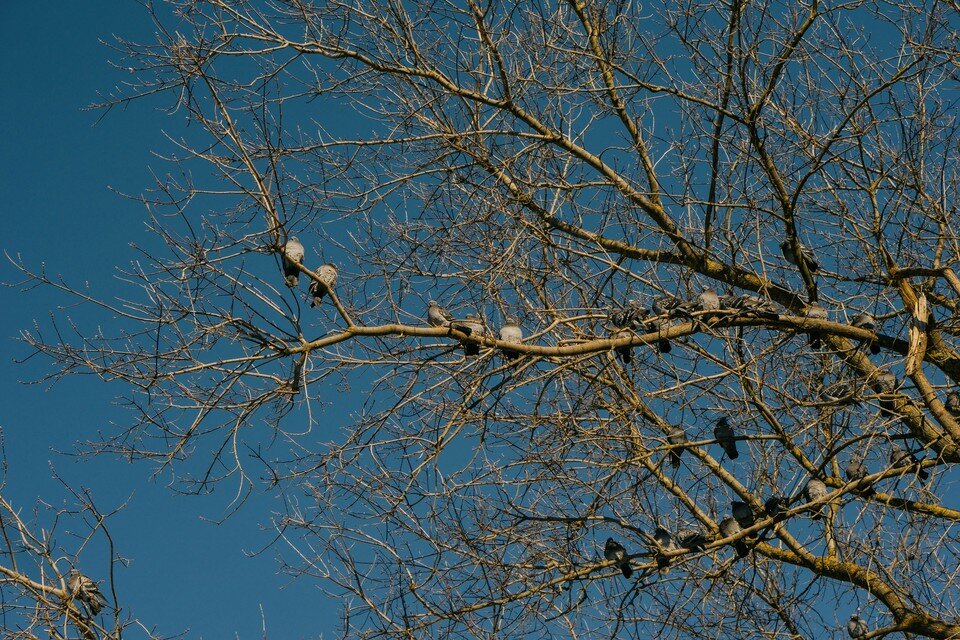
[{"x": 60, "y": 170}]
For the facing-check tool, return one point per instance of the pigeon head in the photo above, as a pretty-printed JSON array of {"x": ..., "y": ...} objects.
[{"x": 432, "y": 303}]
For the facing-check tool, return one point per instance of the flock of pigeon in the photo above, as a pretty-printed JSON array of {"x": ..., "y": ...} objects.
[{"x": 663, "y": 314}]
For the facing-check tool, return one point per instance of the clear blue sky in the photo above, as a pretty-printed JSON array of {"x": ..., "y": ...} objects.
[{"x": 58, "y": 208}]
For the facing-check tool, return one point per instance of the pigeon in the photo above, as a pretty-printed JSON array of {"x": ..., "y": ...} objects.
[
  {"x": 633, "y": 315},
  {"x": 676, "y": 436},
  {"x": 613, "y": 550},
  {"x": 473, "y": 326},
  {"x": 901, "y": 458},
  {"x": 661, "y": 308},
  {"x": 775, "y": 506},
  {"x": 743, "y": 514},
  {"x": 839, "y": 392},
  {"x": 86, "y": 591},
  {"x": 952, "y": 404},
  {"x": 868, "y": 322},
  {"x": 815, "y": 490},
  {"x": 887, "y": 384},
  {"x": 510, "y": 332},
  {"x": 856, "y": 470},
  {"x": 730, "y": 527},
  {"x": 754, "y": 305},
  {"x": 857, "y": 628},
  {"x": 723, "y": 432},
  {"x": 709, "y": 300},
  {"x": 624, "y": 353},
  {"x": 665, "y": 543},
  {"x": 292, "y": 256},
  {"x": 815, "y": 312},
  {"x": 437, "y": 316},
  {"x": 694, "y": 540},
  {"x": 328, "y": 276},
  {"x": 787, "y": 248}
]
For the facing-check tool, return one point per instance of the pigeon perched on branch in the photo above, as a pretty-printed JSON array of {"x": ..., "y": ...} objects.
[
  {"x": 787, "y": 248},
  {"x": 511, "y": 332},
  {"x": 472, "y": 326},
  {"x": 437, "y": 316},
  {"x": 676, "y": 436},
  {"x": 869, "y": 323},
  {"x": 292, "y": 256},
  {"x": 902, "y": 458},
  {"x": 86, "y": 591},
  {"x": 952, "y": 404},
  {"x": 709, "y": 300},
  {"x": 815, "y": 490},
  {"x": 857, "y": 628},
  {"x": 693, "y": 540},
  {"x": 614, "y": 551},
  {"x": 624, "y": 353},
  {"x": 723, "y": 432},
  {"x": 328, "y": 276},
  {"x": 665, "y": 543},
  {"x": 856, "y": 470},
  {"x": 815, "y": 312},
  {"x": 730, "y": 527}
]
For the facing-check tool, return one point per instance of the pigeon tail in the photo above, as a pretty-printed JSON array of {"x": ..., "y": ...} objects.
[
  {"x": 471, "y": 348},
  {"x": 742, "y": 548},
  {"x": 626, "y": 570},
  {"x": 675, "y": 458},
  {"x": 625, "y": 355},
  {"x": 510, "y": 354},
  {"x": 664, "y": 346}
]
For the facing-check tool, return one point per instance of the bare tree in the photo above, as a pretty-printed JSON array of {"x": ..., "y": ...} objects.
[
  {"x": 586, "y": 168},
  {"x": 51, "y": 583}
]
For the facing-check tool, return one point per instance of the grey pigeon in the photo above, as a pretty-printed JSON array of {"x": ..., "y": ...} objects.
[
  {"x": 775, "y": 506},
  {"x": 709, "y": 300},
  {"x": 899, "y": 457},
  {"x": 511, "y": 332},
  {"x": 730, "y": 527},
  {"x": 743, "y": 514},
  {"x": 815, "y": 490},
  {"x": 815, "y": 312},
  {"x": 856, "y": 470},
  {"x": 887, "y": 384},
  {"x": 676, "y": 436},
  {"x": 857, "y": 628},
  {"x": 328, "y": 276},
  {"x": 624, "y": 353},
  {"x": 292, "y": 256},
  {"x": 868, "y": 322},
  {"x": 723, "y": 432},
  {"x": 665, "y": 543},
  {"x": 755, "y": 305},
  {"x": 614, "y": 551},
  {"x": 952, "y": 404},
  {"x": 472, "y": 326},
  {"x": 437, "y": 316},
  {"x": 660, "y": 308},
  {"x": 694, "y": 540},
  {"x": 86, "y": 591},
  {"x": 787, "y": 248},
  {"x": 840, "y": 391}
]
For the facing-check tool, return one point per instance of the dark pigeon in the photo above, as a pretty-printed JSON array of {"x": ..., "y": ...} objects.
[
  {"x": 775, "y": 506},
  {"x": 723, "y": 432},
  {"x": 86, "y": 591},
  {"x": 476, "y": 329},
  {"x": 743, "y": 514},
  {"x": 868, "y": 322},
  {"x": 694, "y": 540},
  {"x": 624, "y": 353},
  {"x": 952, "y": 404},
  {"x": 614, "y": 551},
  {"x": 902, "y": 458},
  {"x": 787, "y": 248},
  {"x": 815, "y": 312},
  {"x": 856, "y": 470}
]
